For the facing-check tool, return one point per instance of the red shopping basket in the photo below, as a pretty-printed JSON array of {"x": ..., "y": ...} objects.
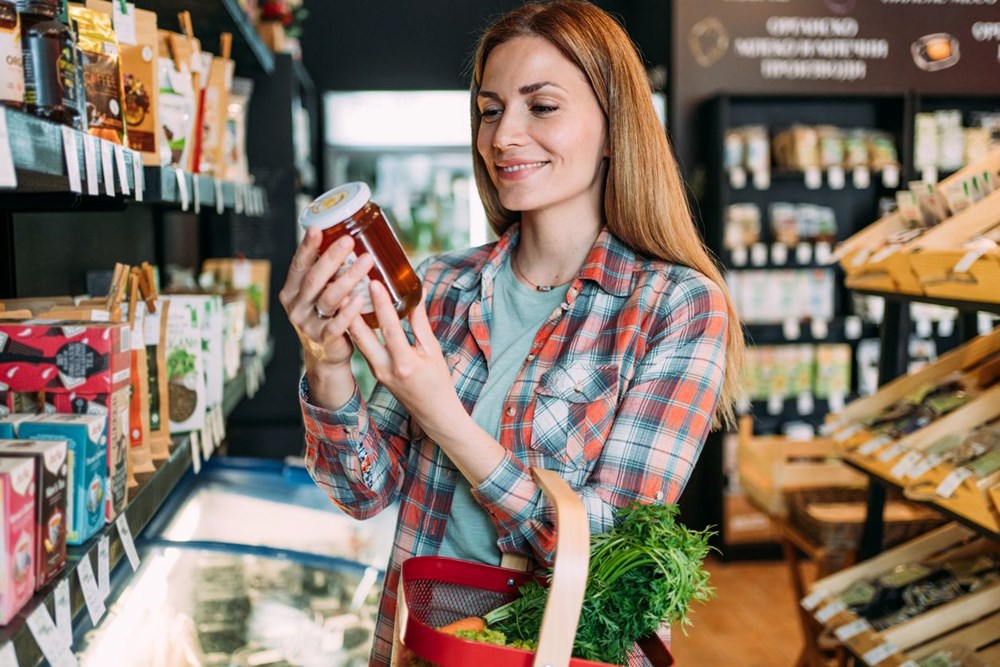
[{"x": 435, "y": 591}]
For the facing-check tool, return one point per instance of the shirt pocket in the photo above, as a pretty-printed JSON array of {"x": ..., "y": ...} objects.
[{"x": 574, "y": 409}]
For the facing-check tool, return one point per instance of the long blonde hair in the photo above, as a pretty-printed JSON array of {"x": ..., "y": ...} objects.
[{"x": 645, "y": 204}]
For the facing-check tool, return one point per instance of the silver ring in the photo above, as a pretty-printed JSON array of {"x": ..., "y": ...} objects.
[{"x": 320, "y": 314}]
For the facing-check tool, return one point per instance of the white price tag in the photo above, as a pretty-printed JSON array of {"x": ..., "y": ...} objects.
[
  {"x": 90, "y": 164},
  {"x": 124, "y": 23},
  {"x": 836, "y": 402},
  {"x": 853, "y": 629},
  {"x": 195, "y": 438},
  {"x": 910, "y": 663},
  {"x": 126, "y": 536},
  {"x": 238, "y": 194},
  {"x": 829, "y": 611},
  {"x": 222, "y": 427},
  {"x": 758, "y": 254},
  {"x": 8, "y": 656},
  {"x": 762, "y": 179},
  {"x": 929, "y": 175},
  {"x": 890, "y": 176},
  {"x": 72, "y": 159},
  {"x": 862, "y": 177},
  {"x": 207, "y": 443},
  {"x": 64, "y": 613},
  {"x": 813, "y": 178},
  {"x": 779, "y": 253},
  {"x": 905, "y": 464},
  {"x": 122, "y": 169},
  {"x": 803, "y": 253},
  {"x": 108, "y": 167},
  {"x": 836, "y": 178},
  {"x": 924, "y": 466},
  {"x": 951, "y": 483},
  {"x": 775, "y": 404},
  {"x": 137, "y": 175},
  {"x": 737, "y": 178},
  {"x": 8, "y": 177},
  {"x": 925, "y": 328},
  {"x": 879, "y": 654},
  {"x": 182, "y": 188},
  {"x": 845, "y": 435},
  {"x": 220, "y": 203},
  {"x": 889, "y": 453},
  {"x": 740, "y": 256},
  {"x": 812, "y": 600},
  {"x": 743, "y": 406},
  {"x": 824, "y": 253},
  {"x": 791, "y": 329},
  {"x": 261, "y": 373},
  {"x": 48, "y": 638},
  {"x": 873, "y": 445},
  {"x": 819, "y": 328},
  {"x": 91, "y": 591},
  {"x": 196, "y": 193},
  {"x": 104, "y": 567},
  {"x": 946, "y": 327},
  {"x": 852, "y": 327},
  {"x": 805, "y": 403}
]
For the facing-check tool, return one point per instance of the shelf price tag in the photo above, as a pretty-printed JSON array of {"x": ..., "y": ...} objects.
[
  {"x": 124, "y": 22},
  {"x": 910, "y": 663},
  {"x": 104, "y": 566},
  {"x": 946, "y": 327},
  {"x": 739, "y": 256},
  {"x": 879, "y": 654},
  {"x": 64, "y": 613},
  {"x": 72, "y": 159},
  {"x": 207, "y": 442},
  {"x": 779, "y": 253},
  {"x": 814, "y": 178},
  {"x": 762, "y": 179},
  {"x": 905, "y": 464},
  {"x": 951, "y": 483},
  {"x": 862, "y": 177},
  {"x": 47, "y": 636},
  {"x": 929, "y": 175},
  {"x": 873, "y": 445},
  {"x": 805, "y": 403},
  {"x": 91, "y": 591},
  {"x": 836, "y": 402},
  {"x": 824, "y": 253},
  {"x": 195, "y": 440},
  {"x": 196, "y": 193},
  {"x": 90, "y": 163},
  {"x": 220, "y": 204},
  {"x": 845, "y": 435},
  {"x": 737, "y": 178},
  {"x": 889, "y": 453},
  {"x": 852, "y": 327},
  {"x": 836, "y": 178},
  {"x": 829, "y": 611},
  {"x": 122, "y": 170},
  {"x": 890, "y": 176},
  {"x": 758, "y": 254},
  {"x": 137, "y": 175},
  {"x": 854, "y": 629},
  {"x": 238, "y": 194},
  {"x": 812, "y": 600},
  {"x": 108, "y": 167},
  {"x": 775, "y": 404},
  {"x": 803, "y": 253},
  {"x": 924, "y": 328},
  {"x": 819, "y": 328},
  {"x": 791, "y": 329},
  {"x": 182, "y": 188},
  {"x": 8, "y": 656},
  {"x": 921, "y": 468},
  {"x": 126, "y": 535},
  {"x": 8, "y": 177}
]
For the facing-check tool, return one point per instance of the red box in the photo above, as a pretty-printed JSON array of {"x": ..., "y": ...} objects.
[
  {"x": 55, "y": 356},
  {"x": 17, "y": 535}
]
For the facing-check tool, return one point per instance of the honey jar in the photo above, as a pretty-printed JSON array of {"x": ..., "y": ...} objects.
[{"x": 348, "y": 209}]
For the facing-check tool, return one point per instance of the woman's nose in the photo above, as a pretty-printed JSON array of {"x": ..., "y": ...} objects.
[{"x": 509, "y": 131}]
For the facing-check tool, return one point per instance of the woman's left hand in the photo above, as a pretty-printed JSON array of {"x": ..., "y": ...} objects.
[{"x": 417, "y": 374}]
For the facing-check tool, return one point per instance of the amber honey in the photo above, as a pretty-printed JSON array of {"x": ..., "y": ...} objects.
[{"x": 348, "y": 210}]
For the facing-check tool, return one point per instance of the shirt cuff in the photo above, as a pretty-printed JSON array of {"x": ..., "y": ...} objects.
[
  {"x": 348, "y": 415},
  {"x": 511, "y": 496}
]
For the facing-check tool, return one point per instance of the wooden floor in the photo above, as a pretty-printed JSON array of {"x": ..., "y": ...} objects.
[{"x": 752, "y": 622}]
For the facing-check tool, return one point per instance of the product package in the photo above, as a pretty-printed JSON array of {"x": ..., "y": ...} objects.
[
  {"x": 17, "y": 535},
  {"x": 102, "y": 73},
  {"x": 215, "y": 112},
  {"x": 10, "y": 422},
  {"x": 86, "y": 471},
  {"x": 186, "y": 364},
  {"x": 11, "y": 63},
  {"x": 177, "y": 101},
  {"x": 235, "y": 313},
  {"x": 141, "y": 80},
  {"x": 51, "y": 459},
  {"x": 156, "y": 371},
  {"x": 140, "y": 454},
  {"x": 236, "y": 165},
  {"x": 254, "y": 277}
]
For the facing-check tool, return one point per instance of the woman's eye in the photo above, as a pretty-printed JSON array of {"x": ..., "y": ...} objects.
[
  {"x": 490, "y": 114},
  {"x": 543, "y": 109}
]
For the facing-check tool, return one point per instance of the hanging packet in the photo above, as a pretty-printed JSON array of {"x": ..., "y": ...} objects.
[{"x": 102, "y": 74}]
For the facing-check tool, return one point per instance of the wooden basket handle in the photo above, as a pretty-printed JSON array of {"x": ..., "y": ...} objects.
[{"x": 569, "y": 572}]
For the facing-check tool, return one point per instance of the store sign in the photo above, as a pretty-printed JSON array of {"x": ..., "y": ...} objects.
[{"x": 828, "y": 46}]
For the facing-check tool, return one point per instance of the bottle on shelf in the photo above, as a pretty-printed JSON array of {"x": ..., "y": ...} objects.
[{"x": 11, "y": 65}]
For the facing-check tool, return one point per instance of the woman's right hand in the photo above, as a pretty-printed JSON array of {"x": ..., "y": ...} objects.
[{"x": 320, "y": 310}]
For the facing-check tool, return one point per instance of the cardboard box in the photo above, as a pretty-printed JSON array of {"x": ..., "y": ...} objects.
[
  {"x": 86, "y": 470},
  {"x": 51, "y": 464},
  {"x": 17, "y": 535},
  {"x": 9, "y": 424}
]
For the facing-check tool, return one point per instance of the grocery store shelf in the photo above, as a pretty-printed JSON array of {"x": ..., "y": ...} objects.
[
  {"x": 144, "y": 502},
  {"x": 965, "y": 306},
  {"x": 836, "y": 329}
]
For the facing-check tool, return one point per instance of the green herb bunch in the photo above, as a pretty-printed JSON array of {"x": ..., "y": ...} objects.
[
  {"x": 645, "y": 571},
  {"x": 180, "y": 362}
]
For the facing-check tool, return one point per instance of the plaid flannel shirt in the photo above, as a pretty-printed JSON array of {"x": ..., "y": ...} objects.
[{"x": 617, "y": 395}]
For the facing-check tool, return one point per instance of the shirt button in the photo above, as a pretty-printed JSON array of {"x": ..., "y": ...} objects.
[
  {"x": 578, "y": 388},
  {"x": 510, "y": 411},
  {"x": 531, "y": 357},
  {"x": 659, "y": 495}
]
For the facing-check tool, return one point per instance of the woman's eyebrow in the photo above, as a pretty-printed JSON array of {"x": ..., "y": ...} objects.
[{"x": 524, "y": 90}]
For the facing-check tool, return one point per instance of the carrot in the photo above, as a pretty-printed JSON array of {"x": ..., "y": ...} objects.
[{"x": 474, "y": 623}]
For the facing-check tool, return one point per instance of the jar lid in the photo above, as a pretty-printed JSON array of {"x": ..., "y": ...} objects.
[{"x": 336, "y": 205}]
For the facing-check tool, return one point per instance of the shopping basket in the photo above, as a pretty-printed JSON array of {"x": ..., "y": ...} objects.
[{"x": 435, "y": 591}]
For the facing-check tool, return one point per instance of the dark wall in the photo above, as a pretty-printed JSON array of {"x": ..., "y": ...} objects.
[{"x": 406, "y": 45}]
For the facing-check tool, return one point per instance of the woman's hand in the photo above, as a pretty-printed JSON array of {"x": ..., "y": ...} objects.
[
  {"x": 417, "y": 374},
  {"x": 321, "y": 312}
]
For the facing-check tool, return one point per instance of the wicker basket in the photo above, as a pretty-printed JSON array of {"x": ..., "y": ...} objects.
[{"x": 834, "y": 517}]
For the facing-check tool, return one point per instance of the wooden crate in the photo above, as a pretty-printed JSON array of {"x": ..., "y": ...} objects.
[
  {"x": 977, "y": 637},
  {"x": 771, "y": 466},
  {"x": 951, "y": 540}
]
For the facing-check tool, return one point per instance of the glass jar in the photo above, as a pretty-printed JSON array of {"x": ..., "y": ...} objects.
[
  {"x": 11, "y": 57},
  {"x": 51, "y": 74},
  {"x": 348, "y": 210}
]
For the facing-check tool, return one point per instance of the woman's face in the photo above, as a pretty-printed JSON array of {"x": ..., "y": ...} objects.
[{"x": 542, "y": 135}]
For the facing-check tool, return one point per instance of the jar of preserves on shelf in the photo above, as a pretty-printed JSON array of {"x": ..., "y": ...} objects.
[
  {"x": 348, "y": 209},
  {"x": 11, "y": 57},
  {"x": 52, "y": 82}
]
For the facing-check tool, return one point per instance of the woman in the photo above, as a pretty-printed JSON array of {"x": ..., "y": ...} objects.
[{"x": 594, "y": 338}]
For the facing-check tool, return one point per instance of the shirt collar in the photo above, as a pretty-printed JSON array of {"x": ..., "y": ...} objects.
[{"x": 609, "y": 263}]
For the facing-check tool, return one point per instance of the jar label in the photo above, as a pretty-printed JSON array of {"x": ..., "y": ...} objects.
[
  {"x": 12, "y": 81},
  {"x": 361, "y": 288}
]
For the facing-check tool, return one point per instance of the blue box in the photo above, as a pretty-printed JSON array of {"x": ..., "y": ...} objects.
[
  {"x": 10, "y": 422},
  {"x": 87, "y": 469}
]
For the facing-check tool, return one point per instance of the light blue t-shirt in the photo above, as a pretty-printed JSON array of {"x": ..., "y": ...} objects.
[{"x": 518, "y": 313}]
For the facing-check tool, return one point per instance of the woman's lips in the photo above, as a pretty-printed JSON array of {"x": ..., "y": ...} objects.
[{"x": 520, "y": 170}]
